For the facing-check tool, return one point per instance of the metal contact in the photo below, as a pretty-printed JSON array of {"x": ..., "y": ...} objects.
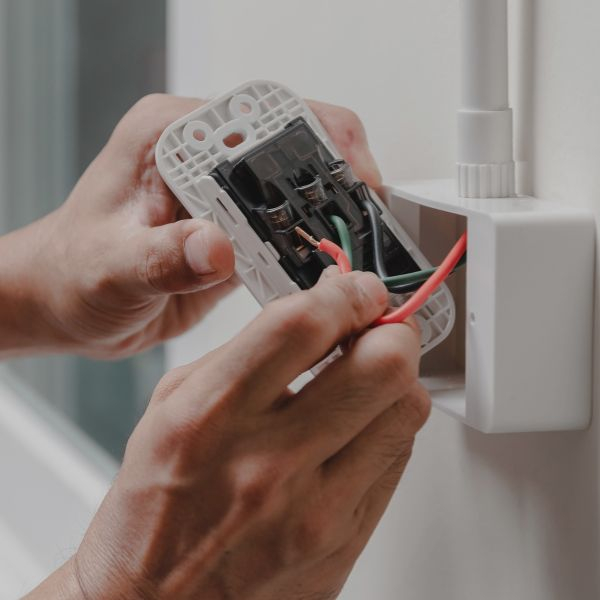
[
  {"x": 314, "y": 191},
  {"x": 341, "y": 171},
  {"x": 280, "y": 216}
]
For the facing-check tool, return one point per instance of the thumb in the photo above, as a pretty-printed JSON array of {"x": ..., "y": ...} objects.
[{"x": 184, "y": 256}]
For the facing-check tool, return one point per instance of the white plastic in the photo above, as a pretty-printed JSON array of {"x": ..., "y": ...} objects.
[
  {"x": 522, "y": 359},
  {"x": 193, "y": 146},
  {"x": 485, "y": 166}
]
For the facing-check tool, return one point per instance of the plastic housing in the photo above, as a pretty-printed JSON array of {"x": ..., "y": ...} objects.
[
  {"x": 190, "y": 149},
  {"x": 485, "y": 166},
  {"x": 520, "y": 358}
]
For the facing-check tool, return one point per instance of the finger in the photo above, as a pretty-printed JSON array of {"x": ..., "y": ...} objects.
[
  {"x": 335, "y": 407},
  {"x": 349, "y": 136},
  {"x": 372, "y": 507},
  {"x": 385, "y": 441},
  {"x": 142, "y": 125},
  {"x": 293, "y": 334},
  {"x": 178, "y": 257},
  {"x": 330, "y": 271}
]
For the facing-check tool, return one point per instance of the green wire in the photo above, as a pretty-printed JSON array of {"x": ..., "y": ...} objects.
[
  {"x": 419, "y": 276},
  {"x": 343, "y": 234},
  {"x": 406, "y": 278},
  {"x": 415, "y": 277}
]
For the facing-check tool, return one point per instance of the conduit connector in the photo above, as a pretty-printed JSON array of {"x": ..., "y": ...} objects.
[{"x": 486, "y": 167}]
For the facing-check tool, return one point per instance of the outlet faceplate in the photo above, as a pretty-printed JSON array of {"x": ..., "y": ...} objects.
[{"x": 521, "y": 356}]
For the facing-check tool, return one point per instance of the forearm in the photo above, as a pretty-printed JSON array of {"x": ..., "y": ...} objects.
[
  {"x": 25, "y": 322},
  {"x": 61, "y": 585}
]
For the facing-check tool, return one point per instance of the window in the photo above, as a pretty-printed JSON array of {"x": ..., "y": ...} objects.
[{"x": 69, "y": 69}]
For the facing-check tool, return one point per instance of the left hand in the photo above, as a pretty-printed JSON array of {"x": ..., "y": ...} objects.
[{"x": 120, "y": 266}]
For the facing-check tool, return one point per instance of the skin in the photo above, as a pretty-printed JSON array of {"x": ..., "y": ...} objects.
[
  {"x": 120, "y": 266},
  {"x": 231, "y": 486}
]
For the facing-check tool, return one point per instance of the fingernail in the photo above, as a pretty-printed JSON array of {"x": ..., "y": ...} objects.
[
  {"x": 196, "y": 248},
  {"x": 372, "y": 287}
]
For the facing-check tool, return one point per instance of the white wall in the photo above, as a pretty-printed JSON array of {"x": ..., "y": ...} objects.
[{"x": 494, "y": 517}]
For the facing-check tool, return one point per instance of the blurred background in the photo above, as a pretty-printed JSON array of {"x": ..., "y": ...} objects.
[{"x": 70, "y": 70}]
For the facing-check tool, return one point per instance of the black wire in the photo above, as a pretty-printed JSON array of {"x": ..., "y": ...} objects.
[
  {"x": 377, "y": 242},
  {"x": 376, "y": 230}
]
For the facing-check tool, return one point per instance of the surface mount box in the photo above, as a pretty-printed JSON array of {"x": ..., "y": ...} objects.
[{"x": 258, "y": 162}]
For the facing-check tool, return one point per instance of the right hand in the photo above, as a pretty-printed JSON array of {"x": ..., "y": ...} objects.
[{"x": 234, "y": 487}]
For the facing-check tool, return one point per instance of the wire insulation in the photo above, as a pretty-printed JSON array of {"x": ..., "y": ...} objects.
[
  {"x": 419, "y": 298},
  {"x": 336, "y": 253},
  {"x": 343, "y": 235},
  {"x": 399, "y": 284},
  {"x": 422, "y": 294},
  {"x": 329, "y": 248},
  {"x": 376, "y": 232}
]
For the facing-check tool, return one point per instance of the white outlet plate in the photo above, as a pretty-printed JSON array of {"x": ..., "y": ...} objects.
[
  {"x": 190, "y": 148},
  {"x": 521, "y": 359}
]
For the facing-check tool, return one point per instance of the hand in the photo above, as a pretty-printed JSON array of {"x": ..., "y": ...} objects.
[
  {"x": 121, "y": 266},
  {"x": 234, "y": 487}
]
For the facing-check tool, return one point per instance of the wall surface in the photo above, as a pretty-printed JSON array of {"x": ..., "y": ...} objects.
[{"x": 476, "y": 516}]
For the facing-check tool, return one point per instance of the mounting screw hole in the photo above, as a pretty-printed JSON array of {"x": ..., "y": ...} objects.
[
  {"x": 245, "y": 107},
  {"x": 472, "y": 318},
  {"x": 198, "y": 135},
  {"x": 233, "y": 139}
]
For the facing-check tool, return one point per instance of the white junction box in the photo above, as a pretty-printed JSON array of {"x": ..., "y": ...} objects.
[{"x": 520, "y": 357}]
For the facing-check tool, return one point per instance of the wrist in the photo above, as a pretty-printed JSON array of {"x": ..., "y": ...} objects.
[{"x": 26, "y": 318}]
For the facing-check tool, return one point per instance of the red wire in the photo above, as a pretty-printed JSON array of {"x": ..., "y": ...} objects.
[
  {"x": 419, "y": 298},
  {"x": 422, "y": 294},
  {"x": 336, "y": 253}
]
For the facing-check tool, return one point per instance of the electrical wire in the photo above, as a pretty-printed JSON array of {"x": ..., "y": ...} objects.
[
  {"x": 396, "y": 287},
  {"x": 419, "y": 276},
  {"x": 376, "y": 230},
  {"x": 329, "y": 248},
  {"x": 399, "y": 284},
  {"x": 422, "y": 294},
  {"x": 343, "y": 235},
  {"x": 410, "y": 282},
  {"x": 419, "y": 298}
]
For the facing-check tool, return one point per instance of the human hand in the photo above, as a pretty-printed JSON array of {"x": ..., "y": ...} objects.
[
  {"x": 120, "y": 266},
  {"x": 234, "y": 487}
]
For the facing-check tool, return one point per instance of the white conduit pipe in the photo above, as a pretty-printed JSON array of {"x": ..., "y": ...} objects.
[{"x": 486, "y": 167}]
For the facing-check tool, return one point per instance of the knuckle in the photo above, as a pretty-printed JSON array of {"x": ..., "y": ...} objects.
[
  {"x": 350, "y": 117},
  {"x": 168, "y": 383},
  {"x": 258, "y": 486},
  {"x": 148, "y": 103},
  {"x": 419, "y": 403},
  {"x": 153, "y": 269},
  {"x": 352, "y": 130},
  {"x": 296, "y": 316},
  {"x": 99, "y": 281},
  {"x": 179, "y": 441},
  {"x": 390, "y": 363},
  {"x": 139, "y": 119},
  {"x": 160, "y": 268},
  {"x": 312, "y": 537},
  {"x": 353, "y": 296}
]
